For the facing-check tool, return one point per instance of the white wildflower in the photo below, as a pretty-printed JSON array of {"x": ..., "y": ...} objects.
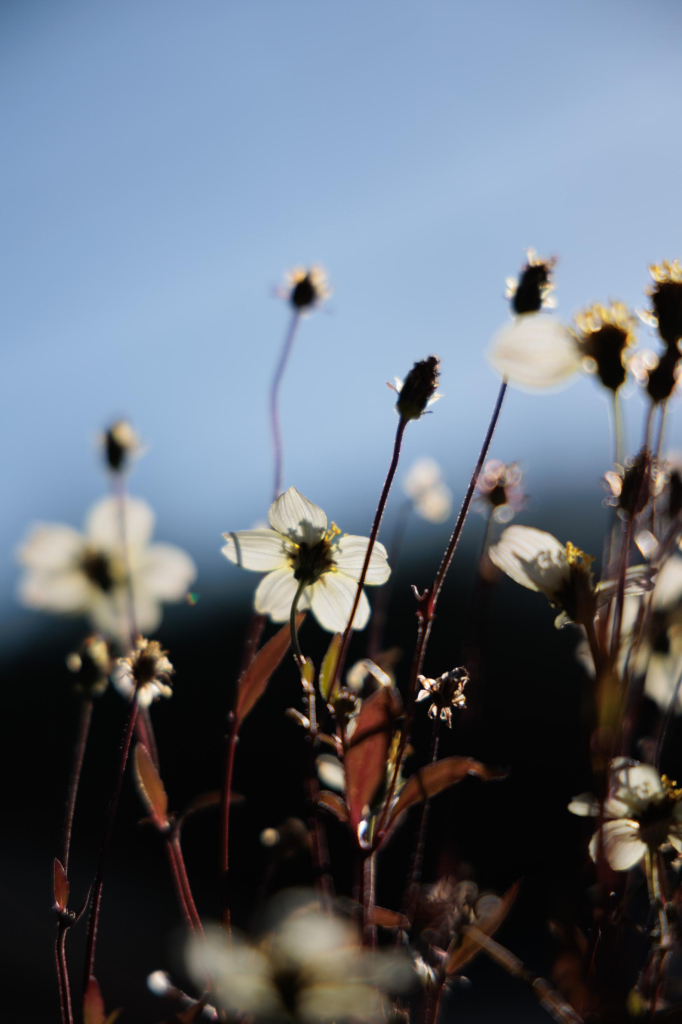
[
  {"x": 144, "y": 674},
  {"x": 431, "y": 498}
]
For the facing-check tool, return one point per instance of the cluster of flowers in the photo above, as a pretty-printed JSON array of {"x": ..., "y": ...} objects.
[{"x": 319, "y": 959}]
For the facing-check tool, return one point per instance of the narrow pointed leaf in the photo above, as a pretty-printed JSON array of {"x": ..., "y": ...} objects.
[
  {"x": 93, "y": 1004},
  {"x": 468, "y": 949},
  {"x": 61, "y": 886},
  {"x": 328, "y": 669},
  {"x": 366, "y": 757},
  {"x": 388, "y": 918},
  {"x": 150, "y": 787},
  {"x": 435, "y": 777},
  {"x": 255, "y": 678},
  {"x": 333, "y": 802}
]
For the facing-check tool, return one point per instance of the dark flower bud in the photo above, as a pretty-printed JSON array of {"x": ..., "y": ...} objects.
[
  {"x": 120, "y": 443},
  {"x": 418, "y": 390},
  {"x": 529, "y": 294},
  {"x": 91, "y": 665},
  {"x": 666, "y": 301},
  {"x": 635, "y": 489},
  {"x": 307, "y": 288},
  {"x": 606, "y": 338},
  {"x": 662, "y": 379}
]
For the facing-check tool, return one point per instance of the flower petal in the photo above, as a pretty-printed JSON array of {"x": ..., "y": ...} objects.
[
  {"x": 167, "y": 571},
  {"x": 668, "y": 589},
  {"x": 259, "y": 550},
  {"x": 51, "y": 547},
  {"x": 103, "y": 523},
  {"x": 663, "y": 681},
  {"x": 622, "y": 846},
  {"x": 110, "y": 615},
  {"x": 434, "y": 505},
  {"x": 531, "y": 557},
  {"x": 534, "y": 352},
  {"x": 349, "y": 555},
  {"x": 61, "y": 592},
  {"x": 422, "y": 475},
  {"x": 294, "y": 516},
  {"x": 275, "y": 594},
  {"x": 331, "y": 600},
  {"x": 585, "y": 806}
]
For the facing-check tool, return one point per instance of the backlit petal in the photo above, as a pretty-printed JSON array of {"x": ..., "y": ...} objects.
[
  {"x": 349, "y": 555},
  {"x": 103, "y": 523},
  {"x": 276, "y": 593},
  {"x": 168, "y": 572},
  {"x": 296, "y": 517},
  {"x": 62, "y": 592},
  {"x": 531, "y": 557},
  {"x": 622, "y": 846},
  {"x": 332, "y": 599},
  {"x": 534, "y": 353},
  {"x": 51, "y": 547},
  {"x": 259, "y": 550}
]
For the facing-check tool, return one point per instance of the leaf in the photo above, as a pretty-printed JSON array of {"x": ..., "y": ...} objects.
[
  {"x": 435, "y": 777},
  {"x": 332, "y": 802},
  {"x": 93, "y": 1006},
  {"x": 467, "y": 947},
  {"x": 61, "y": 886},
  {"x": 328, "y": 669},
  {"x": 150, "y": 787},
  {"x": 388, "y": 918},
  {"x": 367, "y": 754},
  {"x": 255, "y": 678}
]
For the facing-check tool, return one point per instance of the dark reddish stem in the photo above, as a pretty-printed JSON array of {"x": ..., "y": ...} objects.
[
  {"x": 230, "y": 745},
  {"x": 63, "y": 973},
  {"x": 274, "y": 400},
  {"x": 85, "y": 719},
  {"x": 184, "y": 887},
  {"x": 420, "y": 839},
  {"x": 93, "y": 921},
  {"x": 345, "y": 640}
]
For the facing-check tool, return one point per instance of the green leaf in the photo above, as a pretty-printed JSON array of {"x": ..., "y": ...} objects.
[
  {"x": 255, "y": 678},
  {"x": 328, "y": 669}
]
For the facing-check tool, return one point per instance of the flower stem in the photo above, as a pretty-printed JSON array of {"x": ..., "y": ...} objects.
[
  {"x": 230, "y": 746},
  {"x": 63, "y": 973},
  {"x": 345, "y": 640},
  {"x": 298, "y": 656},
  {"x": 184, "y": 888},
  {"x": 93, "y": 921},
  {"x": 369, "y": 929},
  {"x": 410, "y": 897},
  {"x": 274, "y": 400},
  {"x": 85, "y": 719},
  {"x": 380, "y": 606}
]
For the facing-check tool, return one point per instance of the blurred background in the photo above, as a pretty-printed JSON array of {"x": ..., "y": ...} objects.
[{"x": 165, "y": 164}]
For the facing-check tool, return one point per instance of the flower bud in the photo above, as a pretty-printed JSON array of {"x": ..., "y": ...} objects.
[{"x": 418, "y": 390}]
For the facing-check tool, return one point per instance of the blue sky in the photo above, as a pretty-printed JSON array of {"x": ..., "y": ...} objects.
[{"x": 166, "y": 162}]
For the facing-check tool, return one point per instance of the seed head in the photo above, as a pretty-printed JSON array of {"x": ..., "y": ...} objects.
[
  {"x": 666, "y": 301},
  {"x": 418, "y": 390},
  {"x": 531, "y": 291},
  {"x": 606, "y": 336},
  {"x": 120, "y": 443},
  {"x": 445, "y": 693},
  {"x": 307, "y": 287}
]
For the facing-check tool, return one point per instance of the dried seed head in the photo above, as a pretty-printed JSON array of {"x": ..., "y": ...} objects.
[
  {"x": 91, "y": 665},
  {"x": 606, "y": 337},
  {"x": 307, "y": 287},
  {"x": 446, "y": 692},
  {"x": 418, "y": 390},
  {"x": 120, "y": 443},
  {"x": 662, "y": 379},
  {"x": 666, "y": 301},
  {"x": 145, "y": 674},
  {"x": 531, "y": 291},
  {"x": 631, "y": 485}
]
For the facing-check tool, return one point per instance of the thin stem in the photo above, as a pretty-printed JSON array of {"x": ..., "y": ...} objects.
[
  {"x": 274, "y": 400},
  {"x": 618, "y": 429},
  {"x": 177, "y": 882},
  {"x": 120, "y": 491},
  {"x": 380, "y": 606},
  {"x": 369, "y": 929},
  {"x": 426, "y": 610},
  {"x": 63, "y": 973},
  {"x": 345, "y": 640},
  {"x": 185, "y": 890},
  {"x": 93, "y": 921},
  {"x": 420, "y": 838},
  {"x": 84, "y": 721},
  {"x": 298, "y": 656},
  {"x": 230, "y": 745}
]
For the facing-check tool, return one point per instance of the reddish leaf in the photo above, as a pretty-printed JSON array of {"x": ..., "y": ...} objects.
[
  {"x": 435, "y": 777},
  {"x": 150, "y": 787},
  {"x": 255, "y": 678},
  {"x": 333, "y": 803},
  {"x": 366, "y": 757},
  {"x": 93, "y": 1006},
  {"x": 388, "y": 918},
  {"x": 467, "y": 947},
  {"x": 328, "y": 669},
  {"x": 61, "y": 886}
]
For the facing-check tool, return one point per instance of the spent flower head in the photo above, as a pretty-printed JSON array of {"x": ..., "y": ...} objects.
[
  {"x": 120, "y": 444},
  {"x": 431, "y": 497},
  {"x": 418, "y": 391},
  {"x": 666, "y": 301},
  {"x": 531, "y": 291},
  {"x": 643, "y": 811},
  {"x": 306, "y": 288},
  {"x": 91, "y": 573},
  {"x": 606, "y": 337},
  {"x": 499, "y": 492},
  {"x": 301, "y": 549},
  {"x": 632, "y": 485},
  {"x": 145, "y": 674},
  {"x": 91, "y": 666},
  {"x": 445, "y": 693}
]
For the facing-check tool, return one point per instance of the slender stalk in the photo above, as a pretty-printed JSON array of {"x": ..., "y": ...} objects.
[
  {"x": 369, "y": 930},
  {"x": 120, "y": 491},
  {"x": 345, "y": 640},
  {"x": 426, "y": 610},
  {"x": 662, "y": 951},
  {"x": 84, "y": 721},
  {"x": 274, "y": 400},
  {"x": 380, "y": 606},
  {"x": 298, "y": 656},
  {"x": 63, "y": 973},
  {"x": 93, "y": 921},
  {"x": 618, "y": 429},
  {"x": 184, "y": 890},
  {"x": 420, "y": 838},
  {"x": 177, "y": 883},
  {"x": 226, "y": 793}
]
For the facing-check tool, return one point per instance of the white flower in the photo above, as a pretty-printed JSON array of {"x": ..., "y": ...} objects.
[
  {"x": 431, "y": 498},
  {"x": 300, "y": 548},
  {"x": 535, "y": 352},
  {"x": 85, "y": 573},
  {"x": 310, "y": 968},
  {"x": 643, "y": 811},
  {"x": 145, "y": 673}
]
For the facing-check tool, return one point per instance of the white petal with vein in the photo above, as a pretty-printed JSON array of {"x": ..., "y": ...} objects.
[
  {"x": 332, "y": 599},
  {"x": 259, "y": 550},
  {"x": 295, "y": 516},
  {"x": 275, "y": 594},
  {"x": 534, "y": 352},
  {"x": 349, "y": 555}
]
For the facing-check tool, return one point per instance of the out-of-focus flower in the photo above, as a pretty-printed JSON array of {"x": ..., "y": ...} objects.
[
  {"x": 300, "y": 549},
  {"x": 120, "y": 444},
  {"x": 309, "y": 968},
  {"x": 538, "y": 561},
  {"x": 358, "y": 674},
  {"x": 91, "y": 666},
  {"x": 531, "y": 291},
  {"x": 666, "y": 301},
  {"x": 606, "y": 336},
  {"x": 632, "y": 485},
  {"x": 445, "y": 693},
  {"x": 431, "y": 498},
  {"x": 418, "y": 391},
  {"x": 443, "y": 909},
  {"x": 499, "y": 492},
  {"x": 671, "y": 485},
  {"x": 144, "y": 674},
  {"x": 642, "y": 811},
  {"x": 330, "y": 772},
  {"x": 306, "y": 288},
  {"x": 87, "y": 573}
]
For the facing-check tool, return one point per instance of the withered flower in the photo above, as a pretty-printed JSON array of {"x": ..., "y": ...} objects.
[
  {"x": 418, "y": 390},
  {"x": 499, "y": 492},
  {"x": 605, "y": 336},
  {"x": 632, "y": 485},
  {"x": 531, "y": 291},
  {"x": 307, "y": 288},
  {"x": 445, "y": 693},
  {"x": 666, "y": 301},
  {"x": 145, "y": 673},
  {"x": 91, "y": 666}
]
